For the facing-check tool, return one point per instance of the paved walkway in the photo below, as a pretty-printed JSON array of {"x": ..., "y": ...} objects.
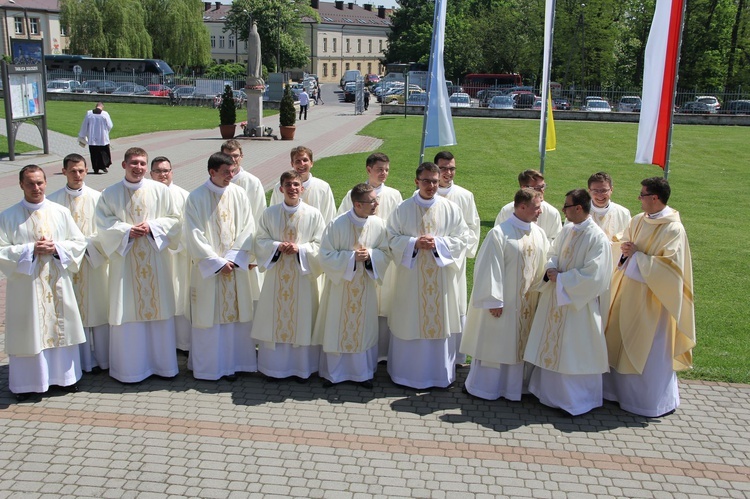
[{"x": 184, "y": 437}]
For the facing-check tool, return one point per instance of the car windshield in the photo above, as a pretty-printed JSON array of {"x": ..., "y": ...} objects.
[
  {"x": 459, "y": 99},
  {"x": 629, "y": 100},
  {"x": 598, "y": 104},
  {"x": 502, "y": 99},
  {"x": 707, "y": 100}
]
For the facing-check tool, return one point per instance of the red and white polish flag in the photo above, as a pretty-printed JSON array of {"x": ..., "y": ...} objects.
[{"x": 660, "y": 68}]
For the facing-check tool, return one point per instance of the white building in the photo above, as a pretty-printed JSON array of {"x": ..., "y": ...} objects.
[{"x": 34, "y": 20}]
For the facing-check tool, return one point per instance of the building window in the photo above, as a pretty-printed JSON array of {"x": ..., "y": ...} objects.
[
  {"x": 369, "y": 68},
  {"x": 325, "y": 69},
  {"x": 213, "y": 41},
  {"x": 359, "y": 67},
  {"x": 381, "y": 45},
  {"x": 333, "y": 69},
  {"x": 348, "y": 46},
  {"x": 325, "y": 44},
  {"x": 231, "y": 41},
  {"x": 359, "y": 45},
  {"x": 34, "y": 25},
  {"x": 18, "y": 22},
  {"x": 63, "y": 31},
  {"x": 221, "y": 41},
  {"x": 369, "y": 43},
  {"x": 347, "y": 66},
  {"x": 334, "y": 46}
]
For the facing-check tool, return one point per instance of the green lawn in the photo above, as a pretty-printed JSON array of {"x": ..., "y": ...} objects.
[
  {"x": 706, "y": 172},
  {"x": 21, "y": 147},
  {"x": 133, "y": 119}
]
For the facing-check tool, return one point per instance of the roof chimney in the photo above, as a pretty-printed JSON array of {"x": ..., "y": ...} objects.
[
  {"x": 367, "y": 7},
  {"x": 351, "y": 5},
  {"x": 381, "y": 12},
  {"x": 340, "y": 4},
  {"x": 315, "y": 4},
  {"x": 206, "y": 5},
  {"x": 218, "y": 5}
]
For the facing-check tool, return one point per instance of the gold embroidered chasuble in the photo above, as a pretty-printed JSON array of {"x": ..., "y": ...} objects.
[
  {"x": 509, "y": 263},
  {"x": 347, "y": 321},
  {"x": 257, "y": 199},
  {"x": 140, "y": 270},
  {"x": 317, "y": 194},
  {"x": 568, "y": 337},
  {"x": 219, "y": 227},
  {"x": 665, "y": 264},
  {"x": 41, "y": 307},
  {"x": 288, "y": 303},
  {"x": 90, "y": 283},
  {"x": 425, "y": 303}
]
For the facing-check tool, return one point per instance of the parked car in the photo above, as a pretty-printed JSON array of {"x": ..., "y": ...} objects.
[
  {"x": 695, "y": 107},
  {"x": 485, "y": 96},
  {"x": 460, "y": 100},
  {"x": 711, "y": 101},
  {"x": 597, "y": 106},
  {"x": 62, "y": 86},
  {"x": 417, "y": 99},
  {"x": 736, "y": 107},
  {"x": 372, "y": 78},
  {"x": 501, "y": 102},
  {"x": 184, "y": 92},
  {"x": 537, "y": 106},
  {"x": 350, "y": 91},
  {"x": 561, "y": 104},
  {"x": 158, "y": 90},
  {"x": 628, "y": 103},
  {"x": 131, "y": 89},
  {"x": 524, "y": 100},
  {"x": 453, "y": 89},
  {"x": 97, "y": 87},
  {"x": 594, "y": 97}
]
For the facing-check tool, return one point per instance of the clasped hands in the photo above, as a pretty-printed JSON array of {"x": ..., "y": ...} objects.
[
  {"x": 44, "y": 246},
  {"x": 425, "y": 242},
  {"x": 139, "y": 230}
]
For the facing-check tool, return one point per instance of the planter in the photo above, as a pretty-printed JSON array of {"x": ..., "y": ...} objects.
[
  {"x": 287, "y": 132},
  {"x": 227, "y": 131}
]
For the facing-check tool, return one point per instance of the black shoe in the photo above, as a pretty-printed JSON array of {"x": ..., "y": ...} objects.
[
  {"x": 327, "y": 383},
  {"x": 21, "y": 397},
  {"x": 105, "y": 170},
  {"x": 366, "y": 384},
  {"x": 231, "y": 378},
  {"x": 301, "y": 381},
  {"x": 96, "y": 370},
  {"x": 70, "y": 388}
]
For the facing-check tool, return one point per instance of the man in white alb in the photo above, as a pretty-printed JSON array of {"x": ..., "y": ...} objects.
[
  {"x": 317, "y": 193},
  {"x": 611, "y": 217},
  {"x": 549, "y": 220}
]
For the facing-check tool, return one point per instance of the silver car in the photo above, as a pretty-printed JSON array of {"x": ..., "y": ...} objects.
[{"x": 501, "y": 102}]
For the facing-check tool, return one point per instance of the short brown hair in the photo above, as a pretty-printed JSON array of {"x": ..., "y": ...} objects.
[
  {"x": 427, "y": 167},
  {"x": 135, "y": 151},
  {"x": 73, "y": 158},
  {"x": 600, "y": 177},
  {"x": 30, "y": 169},
  {"x": 525, "y": 196},
  {"x": 526, "y": 176},
  {"x": 359, "y": 191},
  {"x": 231, "y": 145},
  {"x": 301, "y": 150},
  {"x": 289, "y": 175},
  {"x": 375, "y": 157}
]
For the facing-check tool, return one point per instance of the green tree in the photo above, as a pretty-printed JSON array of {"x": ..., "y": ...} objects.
[
  {"x": 278, "y": 26},
  {"x": 230, "y": 70},
  {"x": 178, "y": 32},
  {"x": 84, "y": 25},
  {"x": 125, "y": 29}
]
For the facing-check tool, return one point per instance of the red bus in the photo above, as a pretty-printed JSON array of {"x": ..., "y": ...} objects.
[{"x": 475, "y": 82}]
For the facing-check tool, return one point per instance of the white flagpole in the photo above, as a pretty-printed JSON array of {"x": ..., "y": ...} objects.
[{"x": 549, "y": 33}]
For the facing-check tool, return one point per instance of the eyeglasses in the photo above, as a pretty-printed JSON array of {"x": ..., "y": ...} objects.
[
  {"x": 599, "y": 191},
  {"x": 428, "y": 181},
  {"x": 566, "y": 206},
  {"x": 645, "y": 195},
  {"x": 372, "y": 201},
  {"x": 538, "y": 188},
  {"x": 161, "y": 172}
]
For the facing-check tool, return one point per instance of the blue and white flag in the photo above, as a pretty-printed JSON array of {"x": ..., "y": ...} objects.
[{"x": 438, "y": 123}]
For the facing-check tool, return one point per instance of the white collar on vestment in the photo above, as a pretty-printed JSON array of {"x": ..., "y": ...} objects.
[
  {"x": 291, "y": 209},
  {"x": 306, "y": 183},
  {"x": 33, "y": 206},
  {"x": 356, "y": 220},
  {"x": 214, "y": 188},
  {"x": 600, "y": 211},
  {"x": 444, "y": 191},
  {"x": 378, "y": 188},
  {"x": 519, "y": 224},
  {"x": 659, "y": 214},
  {"x": 424, "y": 203},
  {"x": 582, "y": 225},
  {"x": 131, "y": 185},
  {"x": 74, "y": 192}
]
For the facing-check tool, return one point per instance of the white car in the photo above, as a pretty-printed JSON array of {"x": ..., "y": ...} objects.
[
  {"x": 501, "y": 102},
  {"x": 598, "y": 106},
  {"x": 629, "y": 103},
  {"x": 711, "y": 101},
  {"x": 59, "y": 86},
  {"x": 460, "y": 100}
]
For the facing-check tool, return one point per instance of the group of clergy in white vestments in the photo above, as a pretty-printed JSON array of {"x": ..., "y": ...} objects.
[{"x": 600, "y": 308}]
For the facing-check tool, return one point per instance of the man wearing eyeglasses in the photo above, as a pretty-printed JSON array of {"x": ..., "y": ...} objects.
[
  {"x": 610, "y": 216},
  {"x": 465, "y": 201},
  {"x": 354, "y": 255},
  {"x": 161, "y": 171},
  {"x": 566, "y": 343},
  {"x": 378, "y": 167},
  {"x": 549, "y": 220},
  {"x": 651, "y": 327},
  {"x": 428, "y": 239}
]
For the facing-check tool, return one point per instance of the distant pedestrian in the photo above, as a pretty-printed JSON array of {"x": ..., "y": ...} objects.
[
  {"x": 95, "y": 132},
  {"x": 304, "y": 102},
  {"x": 367, "y": 99},
  {"x": 318, "y": 97}
]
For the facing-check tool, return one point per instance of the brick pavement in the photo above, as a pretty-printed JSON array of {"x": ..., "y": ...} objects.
[{"x": 253, "y": 438}]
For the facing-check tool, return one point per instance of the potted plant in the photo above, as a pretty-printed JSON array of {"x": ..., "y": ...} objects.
[
  {"x": 287, "y": 115},
  {"x": 227, "y": 114}
]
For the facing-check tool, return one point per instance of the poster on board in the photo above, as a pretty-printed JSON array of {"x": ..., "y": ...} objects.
[{"x": 25, "y": 95}]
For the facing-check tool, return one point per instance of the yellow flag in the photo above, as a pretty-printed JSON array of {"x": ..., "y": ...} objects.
[{"x": 551, "y": 136}]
